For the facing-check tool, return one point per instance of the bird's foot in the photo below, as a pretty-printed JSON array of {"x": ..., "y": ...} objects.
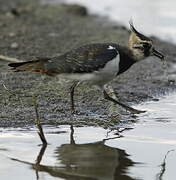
[{"x": 134, "y": 111}]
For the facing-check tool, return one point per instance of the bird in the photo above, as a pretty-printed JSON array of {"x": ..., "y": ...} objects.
[{"x": 97, "y": 64}]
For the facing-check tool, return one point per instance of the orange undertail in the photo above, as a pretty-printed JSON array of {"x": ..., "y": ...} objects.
[{"x": 30, "y": 66}]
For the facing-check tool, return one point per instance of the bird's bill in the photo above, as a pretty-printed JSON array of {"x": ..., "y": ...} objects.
[{"x": 158, "y": 54}]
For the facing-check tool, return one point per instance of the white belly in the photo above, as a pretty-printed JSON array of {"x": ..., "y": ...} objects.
[{"x": 98, "y": 78}]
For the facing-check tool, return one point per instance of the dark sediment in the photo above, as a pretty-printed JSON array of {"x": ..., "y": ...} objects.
[{"x": 29, "y": 30}]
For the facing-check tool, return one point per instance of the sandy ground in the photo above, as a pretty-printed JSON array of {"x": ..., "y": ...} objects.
[{"x": 29, "y": 30}]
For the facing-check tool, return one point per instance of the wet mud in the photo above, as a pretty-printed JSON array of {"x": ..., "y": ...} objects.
[{"x": 29, "y": 30}]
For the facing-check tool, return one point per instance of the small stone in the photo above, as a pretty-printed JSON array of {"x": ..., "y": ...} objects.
[
  {"x": 77, "y": 10},
  {"x": 15, "y": 12},
  {"x": 53, "y": 34},
  {"x": 14, "y": 45},
  {"x": 171, "y": 81},
  {"x": 11, "y": 34},
  {"x": 155, "y": 99}
]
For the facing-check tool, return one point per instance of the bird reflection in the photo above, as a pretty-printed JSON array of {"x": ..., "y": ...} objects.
[
  {"x": 91, "y": 161},
  {"x": 94, "y": 161}
]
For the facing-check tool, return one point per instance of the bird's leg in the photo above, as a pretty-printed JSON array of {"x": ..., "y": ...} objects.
[
  {"x": 72, "y": 90},
  {"x": 130, "y": 109}
]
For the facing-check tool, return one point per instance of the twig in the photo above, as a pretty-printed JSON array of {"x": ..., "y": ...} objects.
[
  {"x": 163, "y": 166},
  {"x": 41, "y": 153},
  {"x": 38, "y": 123},
  {"x": 12, "y": 93},
  {"x": 9, "y": 59},
  {"x": 8, "y": 90},
  {"x": 39, "y": 158},
  {"x": 72, "y": 141},
  {"x": 106, "y": 139}
]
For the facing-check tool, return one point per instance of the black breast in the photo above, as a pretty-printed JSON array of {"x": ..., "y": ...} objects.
[{"x": 126, "y": 60}]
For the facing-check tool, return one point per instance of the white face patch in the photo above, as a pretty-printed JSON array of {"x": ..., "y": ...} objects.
[{"x": 111, "y": 47}]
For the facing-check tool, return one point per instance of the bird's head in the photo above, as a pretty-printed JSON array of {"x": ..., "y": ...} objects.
[{"x": 141, "y": 46}]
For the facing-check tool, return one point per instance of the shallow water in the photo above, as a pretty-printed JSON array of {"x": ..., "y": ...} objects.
[
  {"x": 156, "y": 18},
  {"x": 148, "y": 151}
]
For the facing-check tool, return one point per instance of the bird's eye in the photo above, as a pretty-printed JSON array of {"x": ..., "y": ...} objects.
[
  {"x": 147, "y": 45},
  {"x": 138, "y": 47}
]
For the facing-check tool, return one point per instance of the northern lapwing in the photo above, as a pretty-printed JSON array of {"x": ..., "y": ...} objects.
[{"x": 97, "y": 64}]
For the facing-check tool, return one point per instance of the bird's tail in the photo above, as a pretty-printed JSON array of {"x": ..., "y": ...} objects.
[{"x": 31, "y": 66}]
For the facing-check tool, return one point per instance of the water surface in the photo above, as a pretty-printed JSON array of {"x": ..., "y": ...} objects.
[{"x": 148, "y": 151}]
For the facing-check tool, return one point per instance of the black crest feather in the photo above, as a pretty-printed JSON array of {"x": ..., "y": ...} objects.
[{"x": 141, "y": 36}]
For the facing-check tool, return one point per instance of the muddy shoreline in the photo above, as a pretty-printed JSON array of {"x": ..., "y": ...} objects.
[{"x": 29, "y": 30}]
